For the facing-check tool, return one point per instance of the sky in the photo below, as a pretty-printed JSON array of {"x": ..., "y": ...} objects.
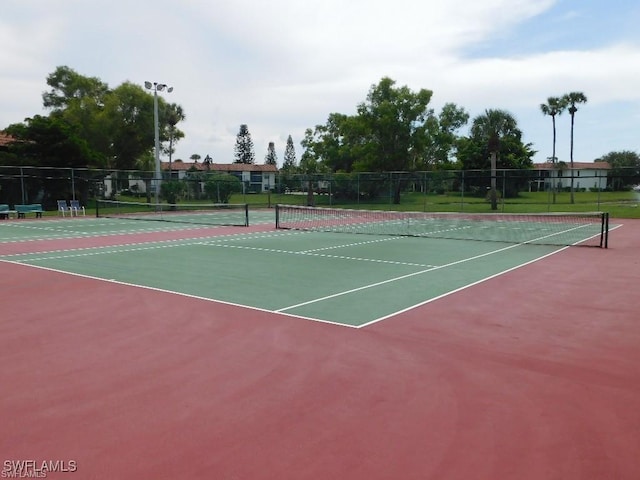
[{"x": 283, "y": 66}]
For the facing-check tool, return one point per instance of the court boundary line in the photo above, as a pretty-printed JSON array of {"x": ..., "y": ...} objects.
[
  {"x": 311, "y": 253},
  {"x": 477, "y": 282},
  {"x": 395, "y": 279},
  {"x": 282, "y": 311},
  {"x": 187, "y": 295},
  {"x": 209, "y": 242},
  {"x": 82, "y": 235},
  {"x": 302, "y": 317},
  {"x": 129, "y": 247},
  {"x": 402, "y": 277},
  {"x": 45, "y": 225},
  {"x": 418, "y": 305}
]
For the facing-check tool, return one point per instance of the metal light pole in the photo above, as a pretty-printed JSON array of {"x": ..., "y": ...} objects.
[{"x": 157, "y": 87}]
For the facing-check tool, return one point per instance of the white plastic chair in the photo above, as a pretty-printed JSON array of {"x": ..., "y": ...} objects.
[
  {"x": 77, "y": 208},
  {"x": 63, "y": 208}
]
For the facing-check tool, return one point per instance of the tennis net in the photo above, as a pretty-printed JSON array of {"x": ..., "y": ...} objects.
[
  {"x": 200, "y": 214},
  {"x": 561, "y": 229}
]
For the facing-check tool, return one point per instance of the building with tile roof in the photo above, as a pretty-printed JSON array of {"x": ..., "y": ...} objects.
[
  {"x": 5, "y": 140},
  {"x": 256, "y": 178}
]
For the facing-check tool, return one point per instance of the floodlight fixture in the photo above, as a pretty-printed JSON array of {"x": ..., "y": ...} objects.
[{"x": 157, "y": 87}]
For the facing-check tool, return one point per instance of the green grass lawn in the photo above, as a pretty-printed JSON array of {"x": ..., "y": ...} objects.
[{"x": 618, "y": 204}]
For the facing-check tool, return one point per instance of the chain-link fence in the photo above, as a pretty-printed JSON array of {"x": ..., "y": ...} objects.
[
  {"x": 433, "y": 190},
  {"x": 458, "y": 190}
]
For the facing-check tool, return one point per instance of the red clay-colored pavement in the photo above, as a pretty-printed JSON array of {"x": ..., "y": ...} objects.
[{"x": 532, "y": 375}]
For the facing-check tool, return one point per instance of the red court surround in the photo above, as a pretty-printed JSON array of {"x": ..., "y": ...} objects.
[{"x": 533, "y": 375}]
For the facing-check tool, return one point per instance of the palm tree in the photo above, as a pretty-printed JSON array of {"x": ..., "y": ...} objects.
[
  {"x": 490, "y": 126},
  {"x": 571, "y": 100},
  {"x": 554, "y": 106}
]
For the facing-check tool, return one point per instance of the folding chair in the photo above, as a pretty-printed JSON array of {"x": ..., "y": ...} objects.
[
  {"x": 63, "y": 208},
  {"x": 76, "y": 207}
]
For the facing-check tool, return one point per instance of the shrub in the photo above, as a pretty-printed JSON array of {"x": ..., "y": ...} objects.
[
  {"x": 172, "y": 190},
  {"x": 220, "y": 186}
]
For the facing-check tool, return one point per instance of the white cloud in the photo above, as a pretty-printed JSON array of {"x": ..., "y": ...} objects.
[{"x": 283, "y": 66}]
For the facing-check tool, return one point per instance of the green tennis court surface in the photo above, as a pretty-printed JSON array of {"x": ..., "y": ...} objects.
[
  {"x": 49, "y": 229},
  {"x": 343, "y": 278}
]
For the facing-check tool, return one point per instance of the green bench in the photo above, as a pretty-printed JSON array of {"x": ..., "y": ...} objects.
[
  {"x": 22, "y": 210},
  {"x": 5, "y": 212}
]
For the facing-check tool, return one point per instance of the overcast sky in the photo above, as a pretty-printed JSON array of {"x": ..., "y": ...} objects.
[{"x": 284, "y": 65}]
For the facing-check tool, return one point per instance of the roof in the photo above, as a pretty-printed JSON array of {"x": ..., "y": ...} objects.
[
  {"x": 219, "y": 167},
  {"x": 576, "y": 166},
  {"x": 5, "y": 139}
]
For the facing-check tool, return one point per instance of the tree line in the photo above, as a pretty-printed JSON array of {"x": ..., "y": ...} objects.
[
  {"x": 92, "y": 125},
  {"x": 394, "y": 129}
]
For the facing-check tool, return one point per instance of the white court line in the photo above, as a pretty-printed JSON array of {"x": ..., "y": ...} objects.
[
  {"x": 464, "y": 287},
  {"x": 395, "y": 279},
  {"x": 282, "y": 311},
  {"x": 187, "y": 295},
  {"x": 124, "y": 247},
  {"x": 313, "y": 253},
  {"x": 472, "y": 284},
  {"x": 420, "y": 272}
]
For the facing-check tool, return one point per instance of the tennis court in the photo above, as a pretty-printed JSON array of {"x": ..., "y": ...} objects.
[
  {"x": 343, "y": 278},
  {"x": 156, "y": 349}
]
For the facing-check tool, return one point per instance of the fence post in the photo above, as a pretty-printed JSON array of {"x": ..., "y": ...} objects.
[
  {"x": 598, "y": 186},
  {"x": 73, "y": 185},
  {"x": 424, "y": 188},
  {"x": 504, "y": 187},
  {"x": 24, "y": 200},
  {"x": 462, "y": 193}
]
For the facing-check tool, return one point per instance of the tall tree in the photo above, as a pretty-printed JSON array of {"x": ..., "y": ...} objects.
[
  {"x": 572, "y": 100},
  {"x": 117, "y": 124},
  {"x": 289, "y": 163},
  {"x": 554, "y": 106},
  {"x": 127, "y": 119},
  {"x": 80, "y": 101},
  {"x": 441, "y": 139},
  {"x": 50, "y": 142},
  {"x": 387, "y": 133},
  {"x": 490, "y": 128},
  {"x": 244, "y": 151},
  {"x": 310, "y": 167},
  {"x": 174, "y": 114},
  {"x": 337, "y": 144},
  {"x": 271, "y": 158},
  {"x": 625, "y": 169},
  {"x": 69, "y": 87},
  {"x": 392, "y": 122}
]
